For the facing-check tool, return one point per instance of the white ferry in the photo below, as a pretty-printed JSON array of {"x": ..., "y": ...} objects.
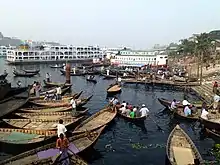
[
  {"x": 137, "y": 58},
  {"x": 4, "y": 49},
  {"x": 54, "y": 54}
]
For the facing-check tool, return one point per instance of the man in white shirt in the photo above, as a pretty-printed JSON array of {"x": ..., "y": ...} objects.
[
  {"x": 124, "y": 104},
  {"x": 144, "y": 110},
  {"x": 123, "y": 109},
  {"x": 61, "y": 128},
  {"x": 58, "y": 93},
  {"x": 185, "y": 102},
  {"x": 48, "y": 77},
  {"x": 204, "y": 114},
  {"x": 216, "y": 101},
  {"x": 73, "y": 103}
]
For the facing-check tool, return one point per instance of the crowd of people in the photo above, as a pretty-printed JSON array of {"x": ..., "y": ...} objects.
[
  {"x": 128, "y": 109},
  {"x": 190, "y": 109}
]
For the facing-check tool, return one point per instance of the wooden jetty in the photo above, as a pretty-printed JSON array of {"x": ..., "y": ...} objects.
[
  {"x": 159, "y": 82},
  {"x": 204, "y": 92}
]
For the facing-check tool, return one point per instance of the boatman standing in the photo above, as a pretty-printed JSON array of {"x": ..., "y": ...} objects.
[
  {"x": 74, "y": 70},
  {"x": 63, "y": 144},
  {"x": 73, "y": 103},
  {"x": 48, "y": 77},
  {"x": 107, "y": 72},
  {"x": 58, "y": 93}
]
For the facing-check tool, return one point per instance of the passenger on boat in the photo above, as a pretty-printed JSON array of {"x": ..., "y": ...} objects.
[
  {"x": 61, "y": 129},
  {"x": 134, "y": 109},
  {"x": 107, "y": 72},
  {"x": 124, "y": 103},
  {"x": 204, "y": 114},
  {"x": 123, "y": 109},
  {"x": 5, "y": 72},
  {"x": 58, "y": 93},
  {"x": 132, "y": 114},
  {"x": 187, "y": 111},
  {"x": 48, "y": 77},
  {"x": 124, "y": 74},
  {"x": 47, "y": 96},
  {"x": 118, "y": 106},
  {"x": 194, "y": 109},
  {"x": 144, "y": 110},
  {"x": 64, "y": 67},
  {"x": 19, "y": 83},
  {"x": 73, "y": 103},
  {"x": 185, "y": 102},
  {"x": 215, "y": 87},
  {"x": 62, "y": 144},
  {"x": 173, "y": 104},
  {"x": 129, "y": 106},
  {"x": 74, "y": 70},
  {"x": 37, "y": 89},
  {"x": 216, "y": 101},
  {"x": 128, "y": 112}
]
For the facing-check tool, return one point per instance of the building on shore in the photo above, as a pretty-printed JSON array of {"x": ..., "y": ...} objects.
[
  {"x": 138, "y": 58},
  {"x": 58, "y": 54}
]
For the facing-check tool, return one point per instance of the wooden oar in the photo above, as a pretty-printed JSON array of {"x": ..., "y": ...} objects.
[{"x": 155, "y": 123}]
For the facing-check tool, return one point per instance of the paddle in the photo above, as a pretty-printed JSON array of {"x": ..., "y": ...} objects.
[{"x": 155, "y": 122}]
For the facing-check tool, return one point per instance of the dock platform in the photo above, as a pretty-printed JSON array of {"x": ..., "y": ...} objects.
[{"x": 204, "y": 92}]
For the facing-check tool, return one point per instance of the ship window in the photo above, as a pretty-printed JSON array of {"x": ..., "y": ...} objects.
[
  {"x": 37, "y": 58},
  {"x": 20, "y": 58},
  {"x": 154, "y": 58},
  {"x": 66, "y": 57},
  {"x": 161, "y": 57},
  {"x": 165, "y": 57},
  {"x": 19, "y": 53},
  {"x": 25, "y": 58}
]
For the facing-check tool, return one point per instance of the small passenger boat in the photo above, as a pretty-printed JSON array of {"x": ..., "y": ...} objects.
[
  {"x": 56, "y": 66},
  {"x": 78, "y": 73},
  {"x": 63, "y": 102},
  {"x": 23, "y": 74},
  {"x": 31, "y": 71},
  {"x": 50, "y": 115},
  {"x": 97, "y": 120},
  {"x": 181, "y": 150},
  {"x": 46, "y": 154},
  {"x": 40, "y": 124},
  {"x": 135, "y": 119},
  {"x": 55, "y": 84},
  {"x": 114, "y": 89},
  {"x": 213, "y": 122},
  {"x": 214, "y": 134},
  {"x": 25, "y": 138}
]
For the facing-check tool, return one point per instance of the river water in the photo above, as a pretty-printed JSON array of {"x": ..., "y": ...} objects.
[{"x": 124, "y": 143}]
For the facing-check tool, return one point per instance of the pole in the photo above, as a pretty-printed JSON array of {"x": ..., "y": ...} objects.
[
  {"x": 201, "y": 62},
  {"x": 68, "y": 73}
]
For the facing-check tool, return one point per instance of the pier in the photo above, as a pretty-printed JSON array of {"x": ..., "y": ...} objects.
[{"x": 204, "y": 91}]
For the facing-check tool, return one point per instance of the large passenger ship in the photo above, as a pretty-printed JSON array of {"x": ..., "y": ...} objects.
[
  {"x": 56, "y": 54},
  {"x": 135, "y": 58}
]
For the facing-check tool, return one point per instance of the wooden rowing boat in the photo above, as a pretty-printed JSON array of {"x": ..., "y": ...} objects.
[
  {"x": 214, "y": 134},
  {"x": 55, "y": 84},
  {"x": 40, "y": 124},
  {"x": 180, "y": 149},
  {"x": 167, "y": 103},
  {"x": 113, "y": 89},
  {"x": 50, "y": 115},
  {"x": 26, "y": 138},
  {"x": 97, "y": 120},
  {"x": 50, "y": 109},
  {"x": 213, "y": 122},
  {"x": 78, "y": 144},
  {"x": 23, "y": 74},
  {"x": 108, "y": 77},
  {"x": 51, "y": 94},
  {"x": 63, "y": 102},
  {"x": 178, "y": 113},
  {"x": 13, "y": 103},
  {"x": 56, "y": 66},
  {"x": 135, "y": 119},
  {"x": 31, "y": 71},
  {"x": 91, "y": 80},
  {"x": 78, "y": 73}
]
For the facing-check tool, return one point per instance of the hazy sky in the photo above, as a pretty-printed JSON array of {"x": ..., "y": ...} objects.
[{"x": 135, "y": 23}]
